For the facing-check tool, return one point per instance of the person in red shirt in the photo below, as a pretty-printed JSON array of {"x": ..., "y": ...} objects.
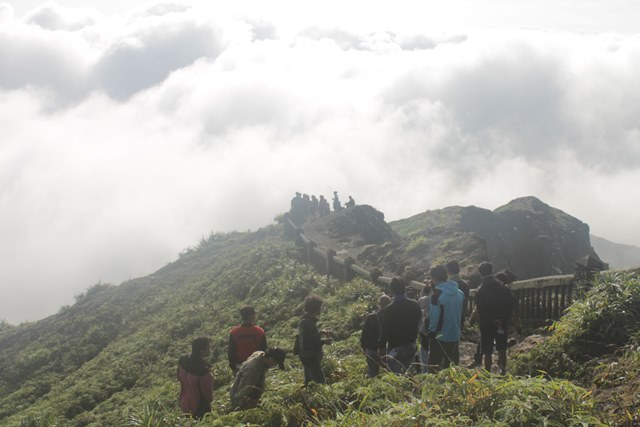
[
  {"x": 196, "y": 382},
  {"x": 245, "y": 339}
]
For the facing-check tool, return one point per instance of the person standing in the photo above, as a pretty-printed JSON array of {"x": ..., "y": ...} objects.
[
  {"x": 311, "y": 341},
  {"x": 370, "y": 336},
  {"x": 336, "y": 202},
  {"x": 245, "y": 339},
  {"x": 445, "y": 315},
  {"x": 400, "y": 323},
  {"x": 453, "y": 270},
  {"x": 495, "y": 303},
  {"x": 196, "y": 382},
  {"x": 248, "y": 384},
  {"x": 424, "y": 302}
]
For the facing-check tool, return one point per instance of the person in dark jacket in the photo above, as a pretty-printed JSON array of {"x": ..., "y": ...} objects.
[
  {"x": 400, "y": 324},
  {"x": 370, "y": 336},
  {"x": 445, "y": 315},
  {"x": 453, "y": 270},
  {"x": 248, "y": 384},
  {"x": 196, "y": 382},
  {"x": 495, "y": 304},
  {"x": 245, "y": 339},
  {"x": 311, "y": 340}
]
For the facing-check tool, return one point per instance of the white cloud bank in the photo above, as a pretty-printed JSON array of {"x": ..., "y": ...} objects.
[{"x": 126, "y": 138}]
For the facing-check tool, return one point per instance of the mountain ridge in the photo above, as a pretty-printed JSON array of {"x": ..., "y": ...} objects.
[{"x": 116, "y": 347}]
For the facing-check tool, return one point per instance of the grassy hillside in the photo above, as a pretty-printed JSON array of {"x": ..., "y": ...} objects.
[{"x": 110, "y": 359}]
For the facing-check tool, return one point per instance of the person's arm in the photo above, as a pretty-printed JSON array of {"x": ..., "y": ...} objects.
[
  {"x": 263, "y": 342},
  {"x": 434, "y": 314},
  {"x": 384, "y": 331},
  {"x": 231, "y": 353},
  {"x": 206, "y": 388}
]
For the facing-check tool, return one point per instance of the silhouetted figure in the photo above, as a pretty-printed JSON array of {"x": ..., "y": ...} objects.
[
  {"x": 306, "y": 207},
  {"x": 370, "y": 336},
  {"x": 196, "y": 382},
  {"x": 495, "y": 304},
  {"x": 248, "y": 384},
  {"x": 507, "y": 277},
  {"x": 400, "y": 323},
  {"x": 315, "y": 207},
  {"x": 245, "y": 339},
  {"x": 323, "y": 206},
  {"x": 297, "y": 213},
  {"x": 445, "y": 315},
  {"x": 311, "y": 340},
  {"x": 350, "y": 203},
  {"x": 336, "y": 202}
]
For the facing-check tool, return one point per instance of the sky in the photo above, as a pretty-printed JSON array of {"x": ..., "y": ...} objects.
[{"x": 128, "y": 133}]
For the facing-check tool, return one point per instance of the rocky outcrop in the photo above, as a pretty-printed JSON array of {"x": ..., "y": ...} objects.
[{"x": 526, "y": 235}]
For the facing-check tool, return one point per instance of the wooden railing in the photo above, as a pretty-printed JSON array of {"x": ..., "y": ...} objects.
[{"x": 539, "y": 301}]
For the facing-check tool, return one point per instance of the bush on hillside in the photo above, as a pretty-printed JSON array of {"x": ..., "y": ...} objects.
[{"x": 604, "y": 320}]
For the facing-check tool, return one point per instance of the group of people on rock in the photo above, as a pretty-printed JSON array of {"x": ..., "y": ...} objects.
[
  {"x": 304, "y": 207},
  {"x": 402, "y": 333}
]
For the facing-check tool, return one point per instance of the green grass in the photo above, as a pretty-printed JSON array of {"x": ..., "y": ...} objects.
[{"x": 110, "y": 358}]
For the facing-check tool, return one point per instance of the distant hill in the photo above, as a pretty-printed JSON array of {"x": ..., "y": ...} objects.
[{"x": 618, "y": 256}]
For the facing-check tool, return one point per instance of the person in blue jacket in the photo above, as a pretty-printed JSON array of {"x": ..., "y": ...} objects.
[{"x": 445, "y": 315}]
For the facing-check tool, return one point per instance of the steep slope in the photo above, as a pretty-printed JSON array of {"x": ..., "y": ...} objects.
[
  {"x": 110, "y": 359},
  {"x": 116, "y": 343},
  {"x": 618, "y": 256}
]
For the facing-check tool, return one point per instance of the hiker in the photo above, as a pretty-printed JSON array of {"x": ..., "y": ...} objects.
[
  {"x": 370, "y": 336},
  {"x": 350, "y": 203},
  {"x": 400, "y": 323},
  {"x": 336, "y": 202},
  {"x": 507, "y": 277},
  {"x": 311, "y": 340},
  {"x": 245, "y": 339},
  {"x": 315, "y": 207},
  {"x": 453, "y": 270},
  {"x": 423, "y": 334},
  {"x": 248, "y": 384},
  {"x": 296, "y": 213},
  {"x": 445, "y": 315},
  {"x": 495, "y": 304},
  {"x": 323, "y": 206},
  {"x": 196, "y": 382}
]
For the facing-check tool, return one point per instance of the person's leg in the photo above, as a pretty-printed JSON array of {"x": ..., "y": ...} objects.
[
  {"x": 487, "y": 340},
  {"x": 488, "y": 362},
  {"x": 373, "y": 362},
  {"x": 435, "y": 356},
  {"x": 502, "y": 361},
  {"x": 501, "y": 347},
  {"x": 424, "y": 353},
  {"x": 315, "y": 369},
  {"x": 307, "y": 374},
  {"x": 393, "y": 361},
  {"x": 406, "y": 356},
  {"x": 450, "y": 353}
]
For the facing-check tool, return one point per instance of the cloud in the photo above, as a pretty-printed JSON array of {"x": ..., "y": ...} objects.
[
  {"x": 128, "y": 138},
  {"x": 146, "y": 58},
  {"x": 51, "y": 16}
]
